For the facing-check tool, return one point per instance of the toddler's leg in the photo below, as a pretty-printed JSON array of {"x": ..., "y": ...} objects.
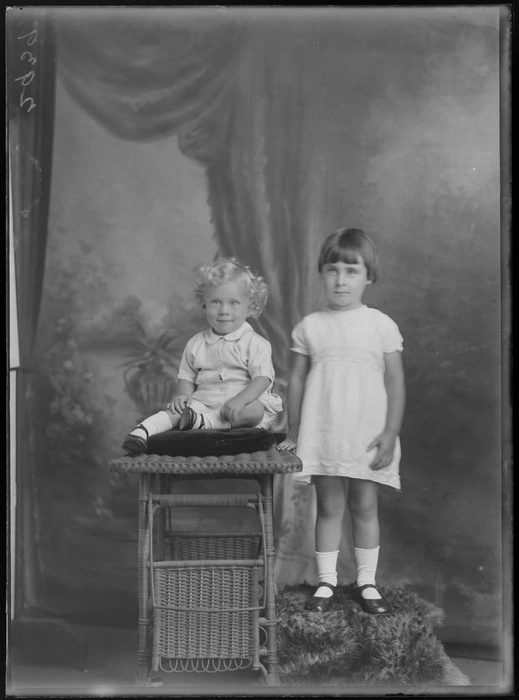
[
  {"x": 250, "y": 416},
  {"x": 331, "y": 503},
  {"x": 193, "y": 419},
  {"x": 136, "y": 441},
  {"x": 363, "y": 503}
]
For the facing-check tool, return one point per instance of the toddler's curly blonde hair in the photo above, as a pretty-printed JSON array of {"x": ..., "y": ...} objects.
[{"x": 232, "y": 270}]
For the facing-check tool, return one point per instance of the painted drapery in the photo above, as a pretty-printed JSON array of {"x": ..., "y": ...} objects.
[
  {"x": 146, "y": 76},
  {"x": 233, "y": 95}
]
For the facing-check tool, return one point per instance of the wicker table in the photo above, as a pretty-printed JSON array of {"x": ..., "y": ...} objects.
[{"x": 210, "y": 606}]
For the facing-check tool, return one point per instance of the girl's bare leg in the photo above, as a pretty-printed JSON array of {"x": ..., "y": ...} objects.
[
  {"x": 331, "y": 503},
  {"x": 363, "y": 504}
]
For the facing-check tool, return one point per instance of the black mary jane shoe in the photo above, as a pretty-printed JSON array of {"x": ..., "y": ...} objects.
[
  {"x": 188, "y": 419},
  {"x": 134, "y": 444},
  {"x": 373, "y": 606},
  {"x": 319, "y": 604}
]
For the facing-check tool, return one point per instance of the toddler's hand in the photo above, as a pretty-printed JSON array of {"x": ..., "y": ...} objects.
[
  {"x": 179, "y": 403},
  {"x": 231, "y": 410},
  {"x": 386, "y": 449}
]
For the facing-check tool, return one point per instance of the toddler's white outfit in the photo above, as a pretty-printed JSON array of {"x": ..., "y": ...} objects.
[
  {"x": 345, "y": 402},
  {"x": 222, "y": 365}
]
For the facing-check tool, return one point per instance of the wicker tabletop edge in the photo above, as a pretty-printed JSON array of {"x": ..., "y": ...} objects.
[{"x": 272, "y": 461}]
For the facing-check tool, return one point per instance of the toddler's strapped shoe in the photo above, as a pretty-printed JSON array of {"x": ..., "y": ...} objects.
[
  {"x": 319, "y": 604},
  {"x": 190, "y": 419},
  {"x": 135, "y": 444},
  {"x": 373, "y": 606}
]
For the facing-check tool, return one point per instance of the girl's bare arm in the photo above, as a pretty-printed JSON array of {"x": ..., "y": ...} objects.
[
  {"x": 395, "y": 389},
  {"x": 296, "y": 390}
]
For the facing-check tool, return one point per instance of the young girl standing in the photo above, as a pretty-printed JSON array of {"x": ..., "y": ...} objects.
[
  {"x": 226, "y": 373},
  {"x": 346, "y": 399}
]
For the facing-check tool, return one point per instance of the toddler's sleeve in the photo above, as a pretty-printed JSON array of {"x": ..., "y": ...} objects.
[
  {"x": 392, "y": 340},
  {"x": 299, "y": 339},
  {"x": 186, "y": 370},
  {"x": 260, "y": 359}
]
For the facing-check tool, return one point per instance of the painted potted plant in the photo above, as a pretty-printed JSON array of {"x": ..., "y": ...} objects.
[{"x": 146, "y": 376}]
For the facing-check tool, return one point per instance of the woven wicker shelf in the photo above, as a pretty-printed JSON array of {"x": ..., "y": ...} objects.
[{"x": 206, "y": 599}]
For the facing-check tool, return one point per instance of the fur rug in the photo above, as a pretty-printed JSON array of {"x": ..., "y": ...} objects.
[{"x": 346, "y": 646}]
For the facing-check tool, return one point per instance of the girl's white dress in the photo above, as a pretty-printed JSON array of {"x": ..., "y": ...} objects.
[{"x": 345, "y": 402}]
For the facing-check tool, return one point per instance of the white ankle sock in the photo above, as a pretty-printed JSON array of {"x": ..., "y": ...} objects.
[
  {"x": 158, "y": 423},
  {"x": 326, "y": 572},
  {"x": 367, "y": 560}
]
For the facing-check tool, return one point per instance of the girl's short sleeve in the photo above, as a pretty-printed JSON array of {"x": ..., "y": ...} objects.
[
  {"x": 186, "y": 370},
  {"x": 260, "y": 358},
  {"x": 392, "y": 340},
  {"x": 299, "y": 339}
]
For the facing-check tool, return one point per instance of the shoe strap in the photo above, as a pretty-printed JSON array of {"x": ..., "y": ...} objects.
[
  {"x": 327, "y": 585},
  {"x": 143, "y": 428},
  {"x": 367, "y": 585}
]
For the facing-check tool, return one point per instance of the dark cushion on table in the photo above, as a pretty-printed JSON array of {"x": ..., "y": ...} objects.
[{"x": 207, "y": 443}]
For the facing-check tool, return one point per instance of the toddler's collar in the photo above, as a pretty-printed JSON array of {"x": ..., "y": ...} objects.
[{"x": 212, "y": 337}]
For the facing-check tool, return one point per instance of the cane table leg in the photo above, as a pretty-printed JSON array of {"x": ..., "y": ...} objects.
[
  {"x": 160, "y": 544},
  {"x": 272, "y": 677},
  {"x": 143, "y": 677}
]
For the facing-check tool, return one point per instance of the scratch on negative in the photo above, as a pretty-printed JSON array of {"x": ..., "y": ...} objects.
[{"x": 27, "y": 210}]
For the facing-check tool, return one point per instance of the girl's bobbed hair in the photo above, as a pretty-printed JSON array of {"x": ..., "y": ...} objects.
[
  {"x": 347, "y": 245},
  {"x": 232, "y": 270}
]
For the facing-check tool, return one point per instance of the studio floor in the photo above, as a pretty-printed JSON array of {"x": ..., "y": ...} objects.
[{"x": 110, "y": 663}]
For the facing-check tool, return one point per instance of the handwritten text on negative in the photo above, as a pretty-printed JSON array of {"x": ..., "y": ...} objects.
[{"x": 27, "y": 102}]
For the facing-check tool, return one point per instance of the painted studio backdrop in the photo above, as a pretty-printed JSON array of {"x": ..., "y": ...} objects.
[{"x": 163, "y": 137}]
